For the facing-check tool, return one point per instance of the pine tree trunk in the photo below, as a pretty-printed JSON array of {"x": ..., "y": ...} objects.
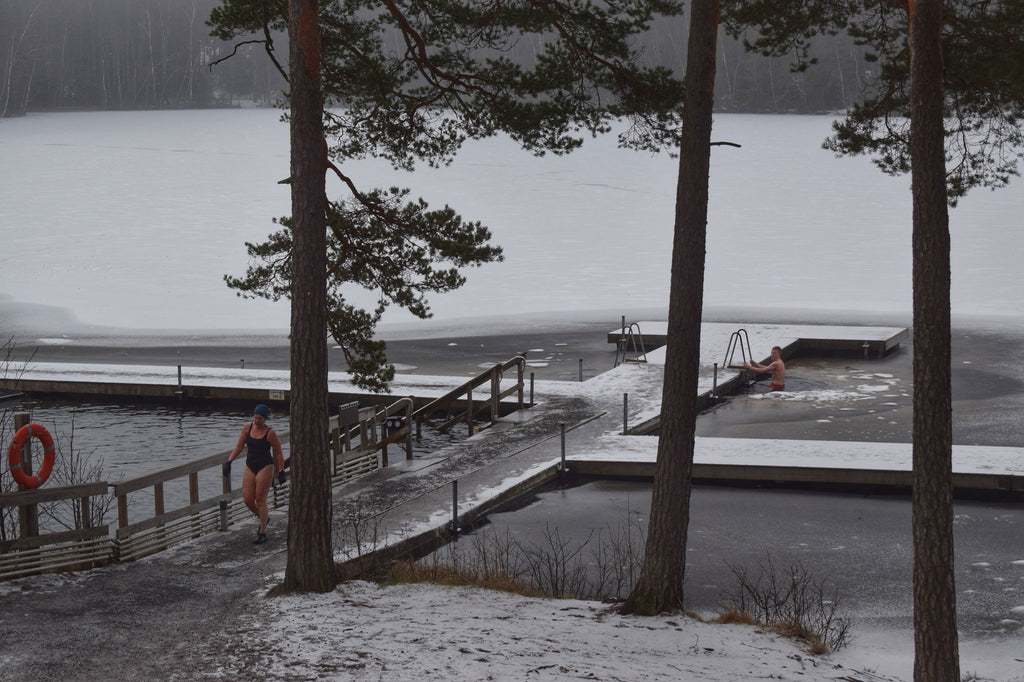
[
  {"x": 310, "y": 565},
  {"x": 660, "y": 586},
  {"x": 935, "y": 637}
]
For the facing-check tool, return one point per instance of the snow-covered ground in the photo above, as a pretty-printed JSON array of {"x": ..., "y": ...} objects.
[{"x": 425, "y": 632}]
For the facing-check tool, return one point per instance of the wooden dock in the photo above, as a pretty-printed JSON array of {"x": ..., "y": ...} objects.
[
  {"x": 793, "y": 339},
  {"x": 966, "y": 485}
]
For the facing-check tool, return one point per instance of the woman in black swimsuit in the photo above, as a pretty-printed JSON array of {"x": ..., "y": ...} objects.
[{"x": 259, "y": 440}]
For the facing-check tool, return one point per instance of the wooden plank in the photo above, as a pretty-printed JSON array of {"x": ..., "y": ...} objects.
[
  {"x": 510, "y": 391},
  {"x": 179, "y": 471},
  {"x": 362, "y": 451},
  {"x": 854, "y": 341},
  {"x": 443, "y": 428},
  {"x": 455, "y": 394},
  {"x": 89, "y": 554},
  {"x": 162, "y": 392},
  {"x": 400, "y": 434},
  {"x": 40, "y": 495},
  {"x": 894, "y": 478},
  {"x": 158, "y": 539},
  {"x": 175, "y": 514},
  {"x": 54, "y": 539}
]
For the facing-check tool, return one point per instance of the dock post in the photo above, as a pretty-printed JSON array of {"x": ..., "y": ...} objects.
[
  {"x": 455, "y": 507},
  {"x": 28, "y": 514},
  {"x": 495, "y": 393},
  {"x": 625, "y": 414},
  {"x": 531, "y": 389},
  {"x": 408, "y": 428},
  {"x": 714, "y": 383},
  {"x": 581, "y": 369},
  {"x": 561, "y": 466},
  {"x": 223, "y": 515}
]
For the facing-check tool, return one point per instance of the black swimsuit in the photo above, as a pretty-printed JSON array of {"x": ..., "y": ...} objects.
[{"x": 258, "y": 452}]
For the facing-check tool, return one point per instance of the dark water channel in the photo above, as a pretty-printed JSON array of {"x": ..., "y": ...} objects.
[
  {"x": 861, "y": 545},
  {"x": 108, "y": 441}
]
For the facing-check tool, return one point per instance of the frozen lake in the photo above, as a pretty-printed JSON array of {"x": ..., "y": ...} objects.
[{"x": 131, "y": 219}]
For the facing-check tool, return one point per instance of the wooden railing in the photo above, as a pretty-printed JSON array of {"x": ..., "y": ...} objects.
[
  {"x": 357, "y": 444},
  {"x": 461, "y": 398},
  {"x": 362, "y": 426},
  {"x": 200, "y": 516},
  {"x": 160, "y": 527},
  {"x": 165, "y": 528},
  {"x": 84, "y": 547}
]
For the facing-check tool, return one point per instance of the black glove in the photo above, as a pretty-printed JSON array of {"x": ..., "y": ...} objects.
[
  {"x": 282, "y": 477},
  {"x": 226, "y": 469}
]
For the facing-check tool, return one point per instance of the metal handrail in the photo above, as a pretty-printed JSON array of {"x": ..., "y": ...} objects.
[
  {"x": 628, "y": 337},
  {"x": 738, "y": 339}
]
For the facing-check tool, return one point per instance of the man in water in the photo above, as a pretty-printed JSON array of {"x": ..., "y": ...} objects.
[{"x": 776, "y": 367}]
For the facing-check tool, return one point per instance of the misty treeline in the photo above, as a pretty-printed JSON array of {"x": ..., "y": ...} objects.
[
  {"x": 123, "y": 54},
  {"x": 141, "y": 54}
]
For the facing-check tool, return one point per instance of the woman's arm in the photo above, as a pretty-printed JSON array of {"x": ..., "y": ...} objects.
[
  {"x": 241, "y": 442},
  {"x": 275, "y": 443}
]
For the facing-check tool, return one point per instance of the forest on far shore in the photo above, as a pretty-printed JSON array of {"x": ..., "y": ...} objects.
[{"x": 147, "y": 54}]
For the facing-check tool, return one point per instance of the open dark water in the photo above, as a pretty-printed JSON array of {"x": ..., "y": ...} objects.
[
  {"x": 132, "y": 439},
  {"x": 120, "y": 441},
  {"x": 860, "y": 544}
]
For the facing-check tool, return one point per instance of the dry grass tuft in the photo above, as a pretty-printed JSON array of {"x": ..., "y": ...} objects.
[
  {"x": 735, "y": 617},
  {"x": 411, "y": 572}
]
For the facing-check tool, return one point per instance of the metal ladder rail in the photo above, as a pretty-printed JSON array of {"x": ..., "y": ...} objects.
[
  {"x": 739, "y": 339},
  {"x": 628, "y": 338}
]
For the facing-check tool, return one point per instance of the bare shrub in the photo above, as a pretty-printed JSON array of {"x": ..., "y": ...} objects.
[
  {"x": 793, "y": 603},
  {"x": 356, "y": 532},
  {"x": 616, "y": 560},
  {"x": 555, "y": 566},
  {"x": 74, "y": 467},
  {"x": 497, "y": 557},
  {"x": 604, "y": 565}
]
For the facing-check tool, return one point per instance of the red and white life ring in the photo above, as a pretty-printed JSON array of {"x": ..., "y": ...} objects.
[{"x": 14, "y": 456}]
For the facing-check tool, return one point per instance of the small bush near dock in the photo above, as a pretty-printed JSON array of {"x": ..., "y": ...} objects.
[{"x": 793, "y": 603}]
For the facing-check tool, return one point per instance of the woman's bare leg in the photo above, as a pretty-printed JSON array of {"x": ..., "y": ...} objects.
[
  {"x": 249, "y": 490},
  {"x": 262, "y": 487}
]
